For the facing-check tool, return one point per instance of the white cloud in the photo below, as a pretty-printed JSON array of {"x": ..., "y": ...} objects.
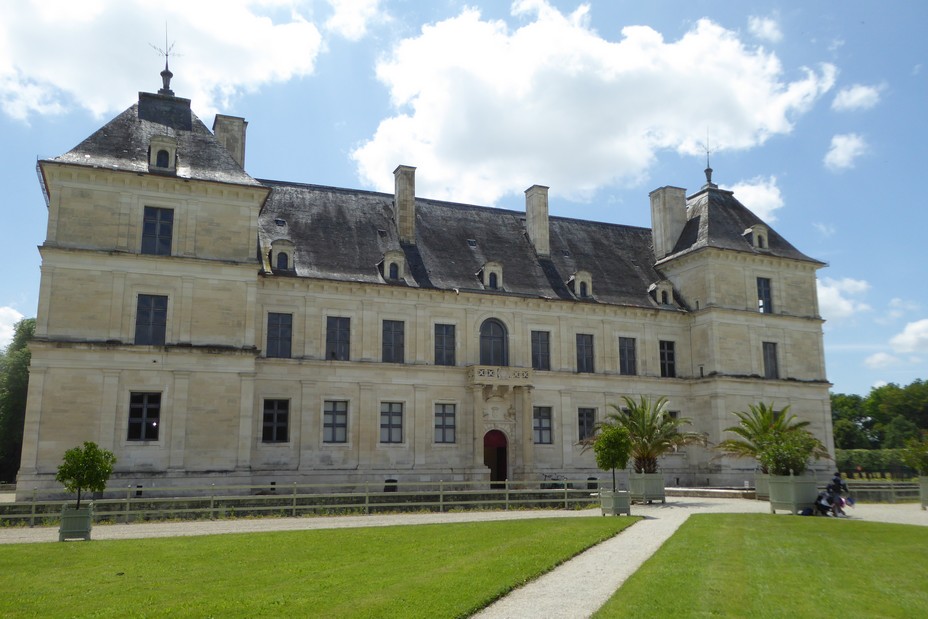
[
  {"x": 845, "y": 149},
  {"x": 913, "y": 339},
  {"x": 881, "y": 360},
  {"x": 765, "y": 28},
  {"x": 826, "y": 230},
  {"x": 761, "y": 195},
  {"x": 8, "y": 319},
  {"x": 834, "y": 297},
  {"x": 484, "y": 110},
  {"x": 352, "y": 17},
  {"x": 856, "y": 97},
  {"x": 224, "y": 47}
]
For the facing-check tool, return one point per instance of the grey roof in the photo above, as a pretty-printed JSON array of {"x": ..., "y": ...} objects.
[
  {"x": 343, "y": 234},
  {"x": 122, "y": 144},
  {"x": 715, "y": 218}
]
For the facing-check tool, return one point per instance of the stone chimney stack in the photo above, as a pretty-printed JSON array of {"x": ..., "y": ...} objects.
[
  {"x": 404, "y": 203},
  {"x": 668, "y": 216},
  {"x": 536, "y": 218},
  {"x": 230, "y": 131}
]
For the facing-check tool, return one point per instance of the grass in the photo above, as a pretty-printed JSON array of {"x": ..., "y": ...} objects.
[
  {"x": 447, "y": 570},
  {"x": 727, "y": 565}
]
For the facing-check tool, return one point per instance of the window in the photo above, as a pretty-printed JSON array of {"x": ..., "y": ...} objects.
[
  {"x": 279, "y": 331},
  {"x": 627, "y": 357},
  {"x": 494, "y": 281},
  {"x": 392, "y": 347},
  {"x": 584, "y": 292},
  {"x": 586, "y": 420},
  {"x": 668, "y": 359},
  {"x": 391, "y": 422},
  {"x": 151, "y": 319},
  {"x": 541, "y": 350},
  {"x": 157, "y": 231},
  {"x": 283, "y": 262},
  {"x": 144, "y": 416},
  {"x": 444, "y": 344},
  {"x": 276, "y": 421},
  {"x": 394, "y": 271},
  {"x": 444, "y": 423},
  {"x": 665, "y": 298},
  {"x": 771, "y": 369},
  {"x": 494, "y": 346},
  {"x": 584, "y": 352},
  {"x": 161, "y": 159},
  {"x": 764, "y": 296},
  {"x": 335, "y": 421},
  {"x": 337, "y": 338},
  {"x": 541, "y": 425}
]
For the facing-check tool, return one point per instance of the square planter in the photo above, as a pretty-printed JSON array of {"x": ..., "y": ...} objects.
[
  {"x": 615, "y": 503},
  {"x": 792, "y": 492},
  {"x": 646, "y": 487},
  {"x": 923, "y": 491},
  {"x": 75, "y": 523},
  {"x": 761, "y": 486}
]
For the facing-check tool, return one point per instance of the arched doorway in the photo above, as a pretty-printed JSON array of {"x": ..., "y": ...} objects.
[{"x": 494, "y": 456}]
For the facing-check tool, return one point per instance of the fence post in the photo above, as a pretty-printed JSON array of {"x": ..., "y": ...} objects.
[
  {"x": 367, "y": 498},
  {"x": 32, "y": 517},
  {"x": 441, "y": 496},
  {"x": 128, "y": 502},
  {"x": 212, "y": 501},
  {"x": 565, "y": 494},
  {"x": 506, "y": 482},
  {"x": 293, "y": 512}
]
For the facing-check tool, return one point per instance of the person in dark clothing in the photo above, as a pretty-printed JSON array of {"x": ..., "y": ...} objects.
[{"x": 835, "y": 488}]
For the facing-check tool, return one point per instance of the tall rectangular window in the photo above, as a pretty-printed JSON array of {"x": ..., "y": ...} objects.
[
  {"x": 151, "y": 319},
  {"x": 393, "y": 343},
  {"x": 276, "y": 423},
  {"x": 335, "y": 421},
  {"x": 668, "y": 359},
  {"x": 444, "y": 344},
  {"x": 584, "y": 352},
  {"x": 764, "y": 296},
  {"x": 771, "y": 369},
  {"x": 279, "y": 334},
  {"x": 391, "y": 422},
  {"x": 445, "y": 423},
  {"x": 586, "y": 421},
  {"x": 157, "y": 231},
  {"x": 628, "y": 364},
  {"x": 541, "y": 425},
  {"x": 144, "y": 416},
  {"x": 541, "y": 350},
  {"x": 337, "y": 338}
]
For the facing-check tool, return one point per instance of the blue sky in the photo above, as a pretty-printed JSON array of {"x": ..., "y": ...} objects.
[{"x": 814, "y": 112}]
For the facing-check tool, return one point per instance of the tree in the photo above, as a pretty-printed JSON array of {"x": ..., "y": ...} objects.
[
  {"x": 14, "y": 383},
  {"x": 898, "y": 432},
  {"x": 785, "y": 453},
  {"x": 757, "y": 427},
  {"x": 85, "y": 468},
  {"x": 849, "y": 436},
  {"x": 612, "y": 446},
  {"x": 652, "y": 430}
]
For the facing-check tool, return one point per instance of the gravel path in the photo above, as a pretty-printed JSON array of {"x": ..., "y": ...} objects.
[{"x": 577, "y": 588}]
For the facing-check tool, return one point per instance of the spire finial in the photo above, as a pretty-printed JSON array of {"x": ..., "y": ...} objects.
[
  {"x": 708, "y": 170},
  {"x": 166, "y": 75}
]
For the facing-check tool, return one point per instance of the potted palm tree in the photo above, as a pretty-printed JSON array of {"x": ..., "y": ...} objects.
[
  {"x": 83, "y": 468},
  {"x": 754, "y": 428},
  {"x": 612, "y": 447},
  {"x": 653, "y": 432},
  {"x": 786, "y": 456},
  {"x": 916, "y": 456}
]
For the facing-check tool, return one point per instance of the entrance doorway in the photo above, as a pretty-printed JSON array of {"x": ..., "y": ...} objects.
[{"x": 494, "y": 456}]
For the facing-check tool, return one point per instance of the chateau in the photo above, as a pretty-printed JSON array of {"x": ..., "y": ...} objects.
[{"x": 210, "y": 327}]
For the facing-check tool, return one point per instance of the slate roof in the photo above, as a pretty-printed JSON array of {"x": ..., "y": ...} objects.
[
  {"x": 342, "y": 234},
  {"x": 122, "y": 143},
  {"x": 715, "y": 218}
]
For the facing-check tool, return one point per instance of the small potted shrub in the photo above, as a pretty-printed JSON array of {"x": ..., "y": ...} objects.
[
  {"x": 915, "y": 456},
  {"x": 612, "y": 447},
  {"x": 84, "y": 468},
  {"x": 786, "y": 456}
]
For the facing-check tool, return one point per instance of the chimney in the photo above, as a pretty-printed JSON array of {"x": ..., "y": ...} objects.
[
  {"x": 668, "y": 216},
  {"x": 230, "y": 131},
  {"x": 404, "y": 203},
  {"x": 536, "y": 218}
]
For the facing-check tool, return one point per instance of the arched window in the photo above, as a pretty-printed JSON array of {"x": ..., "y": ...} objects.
[
  {"x": 584, "y": 292},
  {"x": 494, "y": 343},
  {"x": 394, "y": 271},
  {"x": 162, "y": 159},
  {"x": 665, "y": 298},
  {"x": 761, "y": 241},
  {"x": 493, "y": 281},
  {"x": 283, "y": 263}
]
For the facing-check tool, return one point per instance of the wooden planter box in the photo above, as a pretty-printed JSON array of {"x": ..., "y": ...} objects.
[
  {"x": 615, "y": 503},
  {"x": 792, "y": 492},
  {"x": 75, "y": 523},
  {"x": 761, "y": 486},
  {"x": 923, "y": 491},
  {"x": 646, "y": 487}
]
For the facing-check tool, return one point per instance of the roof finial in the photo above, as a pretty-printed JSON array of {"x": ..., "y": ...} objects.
[
  {"x": 166, "y": 75},
  {"x": 708, "y": 170}
]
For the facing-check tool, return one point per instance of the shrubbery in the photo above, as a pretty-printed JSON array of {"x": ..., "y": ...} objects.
[{"x": 873, "y": 461}]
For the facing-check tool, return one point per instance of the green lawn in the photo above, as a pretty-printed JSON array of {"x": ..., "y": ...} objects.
[
  {"x": 727, "y": 565},
  {"x": 404, "y": 571}
]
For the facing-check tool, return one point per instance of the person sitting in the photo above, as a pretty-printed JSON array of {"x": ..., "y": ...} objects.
[{"x": 835, "y": 488}]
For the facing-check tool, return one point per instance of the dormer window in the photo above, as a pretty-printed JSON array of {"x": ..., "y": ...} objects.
[
  {"x": 393, "y": 266},
  {"x": 162, "y": 153},
  {"x": 394, "y": 271},
  {"x": 759, "y": 236},
  {"x": 491, "y": 276},
  {"x": 581, "y": 284},
  {"x": 662, "y": 293},
  {"x": 283, "y": 261},
  {"x": 281, "y": 255},
  {"x": 494, "y": 281}
]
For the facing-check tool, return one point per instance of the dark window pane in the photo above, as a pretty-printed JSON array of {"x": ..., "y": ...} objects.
[
  {"x": 771, "y": 368},
  {"x": 668, "y": 359},
  {"x": 335, "y": 422},
  {"x": 444, "y": 423},
  {"x": 283, "y": 263},
  {"x": 279, "y": 334},
  {"x": 337, "y": 338},
  {"x": 584, "y": 352},
  {"x": 393, "y": 344},
  {"x": 541, "y": 350},
  {"x": 144, "y": 416},
  {"x": 586, "y": 418},
  {"x": 764, "y": 296},
  {"x": 444, "y": 344},
  {"x": 627, "y": 357},
  {"x": 494, "y": 345},
  {"x": 276, "y": 421},
  {"x": 151, "y": 319},
  {"x": 391, "y": 422},
  {"x": 157, "y": 230},
  {"x": 541, "y": 425}
]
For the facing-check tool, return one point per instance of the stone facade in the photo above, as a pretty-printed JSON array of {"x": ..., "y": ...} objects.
[{"x": 208, "y": 327}]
